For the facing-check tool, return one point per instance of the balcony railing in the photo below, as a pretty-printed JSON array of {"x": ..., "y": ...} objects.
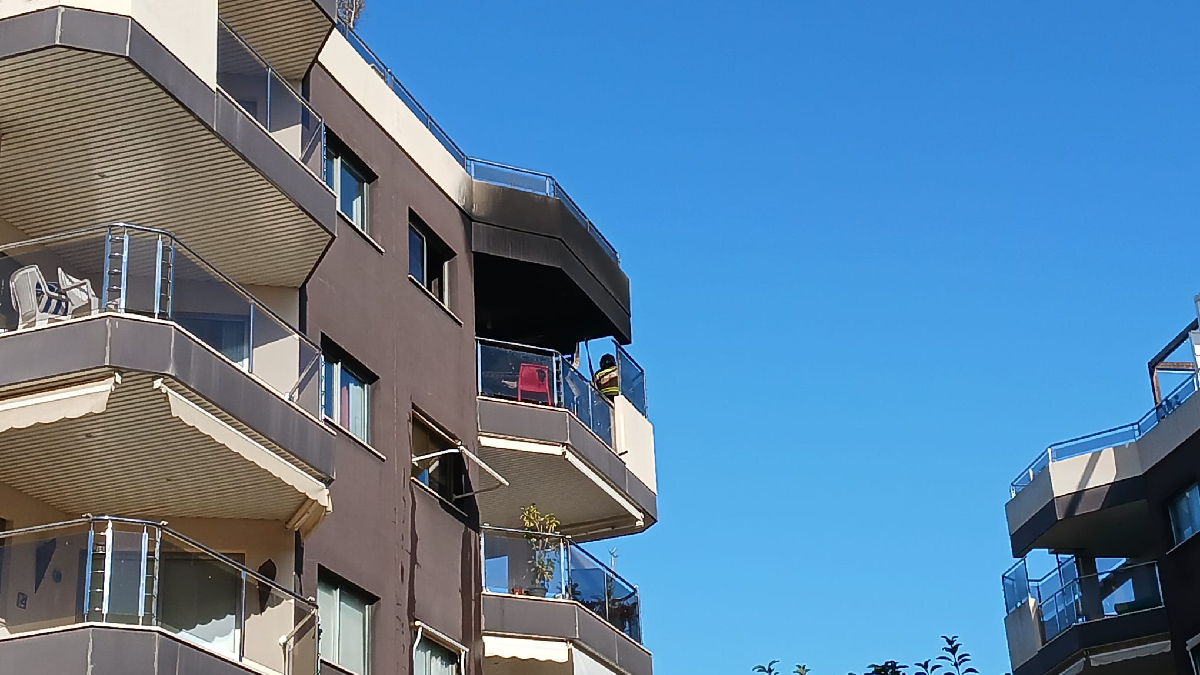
[
  {"x": 135, "y": 270},
  {"x": 266, "y": 96},
  {"x": 481, "y": 170},
  {"x": 1064, "y": 598},
  {"x": 545, "y": 377},
  {"x": 136, "y": 573},
  {"x": 551, "y": 566},
  {"x": 1108, "y": 438}
]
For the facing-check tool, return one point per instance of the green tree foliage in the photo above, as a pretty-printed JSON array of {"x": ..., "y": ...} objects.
[{"x": 953, "y": 661}]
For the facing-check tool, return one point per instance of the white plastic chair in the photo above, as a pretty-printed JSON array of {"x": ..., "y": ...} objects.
[
  {"x": 81, "y": 300},
  {"x": 24, "y": 286}
]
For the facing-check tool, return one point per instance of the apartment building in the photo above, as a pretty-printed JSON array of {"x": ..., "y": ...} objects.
[
  {"x": 291, "y": 383},
  {"x": 1108, "y": 577}
]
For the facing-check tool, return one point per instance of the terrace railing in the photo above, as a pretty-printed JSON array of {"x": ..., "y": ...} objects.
[
  {"x": 1108, "y": 438},
  {"x": 531, "y": 564},
  {"x": 132, "y": 572},
  {"x": 129, "y": 269},
  {"x": 269, "y": 98},
  {"x": 481, "y": 170}
]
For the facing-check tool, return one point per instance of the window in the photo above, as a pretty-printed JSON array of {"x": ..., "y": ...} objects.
[
  {"x": 229, "y": 334},
  {"x": 349, "y": 179},
  {"x": 437, "y": 462},
  {"x": 345, "y": 614},
  {"x": 429, "y": 260},
  {"x": 347, "y": 393},
  {"x": 1185, "y": 515},
  {"x": 431, "y": 658}
]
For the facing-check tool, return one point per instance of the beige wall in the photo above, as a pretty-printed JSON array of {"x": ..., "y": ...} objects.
[
  {"x": 1074, "y": 474},
  {"x": 633, "y": 439},
  {"x": 370, "y": 91},
  {"x": 1023, "y": 632},
  {"x": 188, "y": 28}
]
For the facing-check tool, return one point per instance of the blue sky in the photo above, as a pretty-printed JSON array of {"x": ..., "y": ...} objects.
[{"x": 881, "y": 254}]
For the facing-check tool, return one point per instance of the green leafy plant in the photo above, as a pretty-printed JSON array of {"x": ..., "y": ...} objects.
[
  {"x": 926, "y": 667},
  {"x": 956, "y": 657},
  {"x": 768, "y": 669},
  {"x": 542, "y": 532},
  {"x": 801, "y": 670}
]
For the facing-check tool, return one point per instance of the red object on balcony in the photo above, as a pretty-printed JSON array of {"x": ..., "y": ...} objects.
[{"x": 533, "y": 379}]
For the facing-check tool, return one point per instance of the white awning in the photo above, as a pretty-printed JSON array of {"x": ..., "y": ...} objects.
[
  {"x": 1130, "y": 653},
  {"x": 526, "y": 648},
  {"x": 58, "y": 404},
  {"x": 582, "y": 664},
  {"x": 205, "y": 422}
]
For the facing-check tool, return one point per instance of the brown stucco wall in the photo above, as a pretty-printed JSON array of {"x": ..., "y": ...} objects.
[{"x": 417, "y": 555}]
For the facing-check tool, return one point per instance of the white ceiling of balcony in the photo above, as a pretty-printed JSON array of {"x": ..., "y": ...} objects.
[
  {"x": 556, "y": 480},
  {"x": 149, "y": 449},
  {"x": 88, "y": 139}
]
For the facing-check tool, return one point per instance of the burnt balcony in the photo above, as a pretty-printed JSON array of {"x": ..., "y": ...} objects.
[
  {"x": 536, "y": 409},
  {"x": 543, "y": 593},
  {"x": 145, "y": 584}
]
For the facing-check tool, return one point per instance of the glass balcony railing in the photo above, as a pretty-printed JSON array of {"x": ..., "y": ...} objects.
[
  {"x": 270, "y": 99},
  {"x": 551, "y": 566},
  {"x": 545, "y": 377},
  {"x": 134, "y": 270},
  {"x": 1108, "y": 438},
  {"x": 129, "y": 572},
  {"x": 1065, "y": 598},
  {"x": 481, "y": 170}
]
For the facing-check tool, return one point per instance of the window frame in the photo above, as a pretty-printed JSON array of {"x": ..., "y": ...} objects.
[
  {"x": 1190, "y": 494},
  {"x": 337, "y": 159},
  {"x": 339, "y": 585},
  {"x": 449, "y": 449},
  {"x": 426, "y": 632},
  {"x": 332, "y": 410},
  {"x": 429, "y": 241}
]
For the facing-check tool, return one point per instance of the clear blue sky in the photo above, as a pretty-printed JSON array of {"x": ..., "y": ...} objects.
[{"x": 881, "y": 254}]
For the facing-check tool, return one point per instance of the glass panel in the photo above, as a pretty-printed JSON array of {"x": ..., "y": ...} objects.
[
  {"x": 269, "y": 615},
  {"x": 416, "y": 255},
  {"x": 517, "y": 374},
  {"x": 511, "y": 177},
  {"x": 601, "y": 421},
  {"x": 1016, "y": 586},
  {"x": 1185, "y": 514},
  {"x": 352, "y": 191},
  {"x": 304, "y": 654},
  {"x": 54, "y": 280},
  {"x": 199, "y": 596},
  {"x": 354, "y": 404},
  {"x": 624, "y": 607},
  {"x": 1123, "y": 590},
  {"x": 242, "y": 75},
  {"x": 44, "y": 581},
  {"x": 633, "y": 380},
  {"x": 126, "y": 569},
  {"x": 522, "y": 564},
  {"x": 327, "y": 606},
  {"x": 352, "y": 632},
  {"x": 588, "y": 582},
  {"x": 211, "y": 309}
]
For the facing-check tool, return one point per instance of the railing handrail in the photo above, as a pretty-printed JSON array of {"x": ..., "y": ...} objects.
[
  {"x": 95, "y": 229},
  {"x": 565, "y": 539},
  {"x": 161, "y": 525},
  {"x": 1073, "y": 583},
  {"x": 1193, "y": 379},
  {"x": 271, "y": 69},
  {"x": 518, "y": 346}
]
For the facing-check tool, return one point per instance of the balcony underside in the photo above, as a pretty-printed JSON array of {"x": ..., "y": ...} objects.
[
  {"x": 1134, "y": 644},
  {"x": 549, "y": 458},
  {"x": 133, "y": 443},
  {"x": 288, "y": 34},
  {"x": 120, "y": 130}
]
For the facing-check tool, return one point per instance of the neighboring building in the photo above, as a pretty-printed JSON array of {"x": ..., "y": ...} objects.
[
  {"x": 1118, "y": 511},
  {"x": 282, "y": 366}
]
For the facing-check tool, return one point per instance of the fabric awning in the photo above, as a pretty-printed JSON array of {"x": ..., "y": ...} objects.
[
  {"x": 58, "y": 404},
  {"x": 526, "y": 648},
  {"x": 582, "y": 664},
  {"x": 205, "y": 422}
]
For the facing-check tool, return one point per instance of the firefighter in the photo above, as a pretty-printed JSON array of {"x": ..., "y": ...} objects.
[{"x": 606, "y": 379}]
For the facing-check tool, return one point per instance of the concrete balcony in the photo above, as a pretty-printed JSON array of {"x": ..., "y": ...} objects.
[
  {"x": 103, "y": 595},
  {"x": 1076, "y": 620},
  {"x": 549, "y": 601},
  {"x": 560, "y": 444},
  {"x": 170, "y": 393},
  {"x": 119, "y": 111}
]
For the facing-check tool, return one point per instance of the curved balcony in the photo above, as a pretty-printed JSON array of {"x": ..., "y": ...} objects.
[
  {"x": 548, "y": 588},
  {"x": 1071, "y": 620},
  {"x": 120, "y": 328},
  {"x": 118, "y": 573},
  {"x": 537, "y": 410}
]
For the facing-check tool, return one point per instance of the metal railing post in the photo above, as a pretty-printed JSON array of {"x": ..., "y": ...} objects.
[{"x": 563, "y": 551}]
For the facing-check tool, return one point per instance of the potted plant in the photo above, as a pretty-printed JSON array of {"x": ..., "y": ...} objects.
[{"x": 542, "y": 532}]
